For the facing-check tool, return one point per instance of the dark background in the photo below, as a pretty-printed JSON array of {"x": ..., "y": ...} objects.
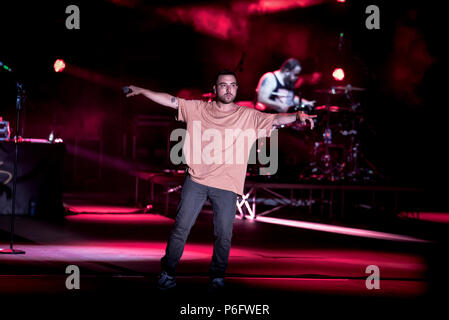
[{"x": 178, "y": 46}]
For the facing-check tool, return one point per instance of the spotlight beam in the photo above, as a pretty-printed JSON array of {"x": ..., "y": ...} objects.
[{"x": 340, "y": 230}]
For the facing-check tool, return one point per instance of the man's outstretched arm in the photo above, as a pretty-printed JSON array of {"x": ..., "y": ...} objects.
[
  {"x": 286, "y": 118},
  {"x": 162, "y": 98}
]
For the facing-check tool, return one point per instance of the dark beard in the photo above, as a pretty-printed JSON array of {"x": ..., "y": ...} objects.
[
  {"x": 222, "y": 100},
  {"x": 289, "y": 84}
]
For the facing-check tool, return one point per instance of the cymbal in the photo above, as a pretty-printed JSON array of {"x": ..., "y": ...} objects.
[
  {"x": 349, "y": 87},
  {"x": 332, "y": 108},
  {"x": 340, "y": 89},
  {"x": 208, "y": 95}
]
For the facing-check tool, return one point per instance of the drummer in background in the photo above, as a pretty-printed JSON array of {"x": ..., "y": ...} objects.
[
  {"x": 275, "y": 94},
  {"x": 275, "y": 91}
]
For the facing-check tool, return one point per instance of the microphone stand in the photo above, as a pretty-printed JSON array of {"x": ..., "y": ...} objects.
[{"x": 11, "y": 250}]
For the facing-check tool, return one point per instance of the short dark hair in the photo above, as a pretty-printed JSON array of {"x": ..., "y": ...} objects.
[
  {"x": 225, "y": 72},
  {"x": 290, "y": 64}
]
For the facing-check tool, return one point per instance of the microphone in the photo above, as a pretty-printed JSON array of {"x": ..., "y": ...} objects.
[{"x": 126, "y": 90}]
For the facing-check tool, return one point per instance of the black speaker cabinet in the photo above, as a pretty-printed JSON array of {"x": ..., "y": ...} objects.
[{"x": 39, "y": 178}]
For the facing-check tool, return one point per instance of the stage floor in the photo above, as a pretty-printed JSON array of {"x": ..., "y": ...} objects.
[{"x": 286, "y": 268}]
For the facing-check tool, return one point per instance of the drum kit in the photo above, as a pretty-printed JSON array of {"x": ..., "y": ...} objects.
[{"x": 336, "y": 154}]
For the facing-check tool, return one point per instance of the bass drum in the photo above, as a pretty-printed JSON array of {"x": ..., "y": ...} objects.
[
  {"x": 289, "y": 156},
  {"x": 295, "y": 152}
]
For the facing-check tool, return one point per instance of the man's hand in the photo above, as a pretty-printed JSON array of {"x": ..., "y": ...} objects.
[
  {"x": 134, "y": 91},
  {"x": 304, "y": 117},
  {"x": 286, "y": 118},
  {"x": 162, "y": 98}
]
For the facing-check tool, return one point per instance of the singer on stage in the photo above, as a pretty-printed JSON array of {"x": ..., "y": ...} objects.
[{"x": 213, "y": 171}]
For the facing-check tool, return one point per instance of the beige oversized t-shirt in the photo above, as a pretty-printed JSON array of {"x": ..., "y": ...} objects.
[{"x": 217, "y": 143}]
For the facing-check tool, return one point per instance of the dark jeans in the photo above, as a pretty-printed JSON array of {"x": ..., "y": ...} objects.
[{"x": 192, "y": 199}]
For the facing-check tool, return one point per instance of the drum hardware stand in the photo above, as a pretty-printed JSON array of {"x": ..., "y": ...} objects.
[
  {"x": 327, "y": 140},
  {"x": 352, "y": 158},
  {"x": 20, "y": 97},
  {"x": 354, "y": 151}
]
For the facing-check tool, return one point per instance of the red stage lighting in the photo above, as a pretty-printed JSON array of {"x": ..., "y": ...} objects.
[
  {"x": 59, "y": 65},
  {"x": 338, "y": 74},
  {"x": 341, "y": 1}
]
